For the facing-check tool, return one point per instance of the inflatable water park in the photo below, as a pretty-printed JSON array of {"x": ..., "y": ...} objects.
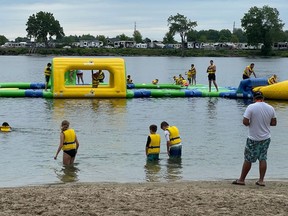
[{"x": 116, "y": 86}]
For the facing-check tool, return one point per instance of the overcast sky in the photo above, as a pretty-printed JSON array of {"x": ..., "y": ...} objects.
[{"x": 115, "y": 17}]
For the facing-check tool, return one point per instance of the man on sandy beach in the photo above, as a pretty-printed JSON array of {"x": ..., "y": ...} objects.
[{"x": 258, "y": 116}]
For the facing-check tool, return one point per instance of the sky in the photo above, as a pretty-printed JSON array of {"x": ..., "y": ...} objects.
[{"x": 114, "y": 17}]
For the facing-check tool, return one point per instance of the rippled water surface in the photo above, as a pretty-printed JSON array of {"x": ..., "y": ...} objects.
[{"x": 113, "y": 132}]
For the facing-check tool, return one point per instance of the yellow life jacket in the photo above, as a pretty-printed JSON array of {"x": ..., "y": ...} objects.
[
  {"x": 47, "y": 71},
  {"x": 69, "y": 140},
  {"x": 249, "y": 71},
  {"x": 95, "y": 80},
  {"x": 5, "y": 128},
  {"x": 174, "y": 135},
  {"x": 193, "y": 71},
  {"x": 271, "y": 80},
  {"x": 154, "y": 146},
  {"x": 211, "y": 69},
  {"x": 101, "y": 75}
]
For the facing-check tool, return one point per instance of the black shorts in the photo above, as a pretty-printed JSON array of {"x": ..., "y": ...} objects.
[
  {"x": 47, "y": 78},
  {"x": 72, "y": 153},
  {"x": 212, "y": 76},
  {"x": 245, "y": 77}
]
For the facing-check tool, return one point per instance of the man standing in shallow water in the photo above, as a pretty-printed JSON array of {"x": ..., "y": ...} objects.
[{"x": 258, "y": 116}]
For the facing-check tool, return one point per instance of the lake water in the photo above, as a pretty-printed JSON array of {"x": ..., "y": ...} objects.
[{"x": 113, "y": 132}]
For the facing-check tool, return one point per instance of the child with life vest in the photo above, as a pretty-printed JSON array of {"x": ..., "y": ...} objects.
[
  {"x": 68, "y": 143},
  {"x": 153, "y": 144},
  {"x": 5, "y": 127}
]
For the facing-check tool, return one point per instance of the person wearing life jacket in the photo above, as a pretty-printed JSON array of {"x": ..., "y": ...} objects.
[
  {"x": 155, "y": 81},
  {"x": 153, "y": 144},
  {"x": 47, "y": 73},
  {"x": 272, "y": 79},
  {"x": 177, "y": 81},
  {"x": 5, "y": 127},
  {"x": 95, "y": 79},
  {"x": 173, "y": 140},
  {"x": 191, "y": 75},
  {"x": 248, "y": 71},
  {"x": 68, "y": 144},
  {"x": 184, "y": 83},
  {"x": 211, "y": 70},
  {"x": 101, "y": 76}
]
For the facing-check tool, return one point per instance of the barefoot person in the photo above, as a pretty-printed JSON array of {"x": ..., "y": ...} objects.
[
  {"x": 68, "y": 143},
  {"x": 211, "y": 70},
  {"x": 258, "y": 116}
]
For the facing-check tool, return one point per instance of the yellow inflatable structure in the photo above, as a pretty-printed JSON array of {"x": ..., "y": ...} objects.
[
  {"x": 277, "y": 91},
  {"x": 116, "y": 87}
]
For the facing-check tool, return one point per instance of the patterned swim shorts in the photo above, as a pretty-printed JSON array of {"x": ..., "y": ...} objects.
[{"x": 256, "y": 150}]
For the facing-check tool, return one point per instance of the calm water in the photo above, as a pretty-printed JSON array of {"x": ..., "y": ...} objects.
[{"x": 113, "y": 132}]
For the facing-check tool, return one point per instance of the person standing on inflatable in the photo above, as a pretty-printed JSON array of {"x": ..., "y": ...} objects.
[
  {"x": 211, "y": 70},
  {"x": 248, "y": 71},
  {"x": 153, "y": 144},
  {"x": 47, "y": 74},
  {"x": 173, "y": 140},
  {"x": 68, "y": 143}
]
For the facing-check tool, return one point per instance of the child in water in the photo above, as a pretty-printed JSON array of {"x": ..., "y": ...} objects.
[
  {"x": 68, "y": 143},
  {"x": 153, "y": 144},
  {"x": 5, "y": 127}
]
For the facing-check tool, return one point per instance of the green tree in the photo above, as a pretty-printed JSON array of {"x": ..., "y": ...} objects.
[
  {"x": 180, "y": 24},
  {"x": 262, "y": 25},
  {"x": 87, "y": 37},
  {"x": 21, "y": 39},
  {"x": 44, "y": 26},
  {"x": 239, "y": 34},
  {"x": 169, "y": 38},
  {"x": 123, "y": 37},
  {"x": 225, "y": 35},
  {"x": 137, "y": 37},
  {"x": 103, "y": 39},
  {"x": 3, "y": 39}
]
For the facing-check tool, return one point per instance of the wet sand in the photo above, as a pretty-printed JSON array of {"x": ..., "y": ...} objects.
[{"x": 177, "y": 198}]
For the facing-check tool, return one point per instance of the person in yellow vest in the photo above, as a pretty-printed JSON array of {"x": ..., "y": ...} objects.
[
  {"x": 191, "y": 75},
  {"x": 68, "y": 144},
  {"x": 177, "y": 81},
  {"x": 211, "y": 70},
  {"x": 155, "y": 81},
  {"x": 173, "y": 140},
  {"x": 248, "y": 71},
  {"x": 153, "y": 144},
  {"x": 101, "y": 76},
  {"x": 5, "y": 127},
  {"x": 47, "y": 73},
  {"x": 95, "y": 79},
  {"x": 272, "y": 79}
]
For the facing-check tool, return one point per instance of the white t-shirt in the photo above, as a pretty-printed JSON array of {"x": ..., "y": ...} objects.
[{"x": 259, "y": 115}]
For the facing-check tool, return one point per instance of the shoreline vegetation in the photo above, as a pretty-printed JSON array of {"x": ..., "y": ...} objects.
[
  {"x": 139, "y": 52},
  {"x": 169, "y": 198}
]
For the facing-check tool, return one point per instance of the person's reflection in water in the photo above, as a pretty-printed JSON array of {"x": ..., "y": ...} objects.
[
  {"x": 211, "y": 107},
  {"x": 174, "y": 169},
  {"x": 152, "y": 170},
  {"x": 68, "y": 174}
]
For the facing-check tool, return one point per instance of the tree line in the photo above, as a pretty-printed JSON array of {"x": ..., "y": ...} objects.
[{"x": 259, "y": 26}]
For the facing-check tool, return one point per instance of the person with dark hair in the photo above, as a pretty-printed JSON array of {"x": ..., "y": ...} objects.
[
  {"x": 248, "y": 71},
  {"x": 211, "y": 70},
  {"x": 5, "y": 127},
  {"x": 129, "y": 80},
  {"x": 173, "y": 140},
  {"x": 258, "y": 116},
  {"x": 47, "y": 73},
  {"x": 68, "y": 143},
  {"x": 153, "y": 144}
]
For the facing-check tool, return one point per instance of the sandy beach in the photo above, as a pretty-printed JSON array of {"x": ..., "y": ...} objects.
[{"x": 177, "y": 198}]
